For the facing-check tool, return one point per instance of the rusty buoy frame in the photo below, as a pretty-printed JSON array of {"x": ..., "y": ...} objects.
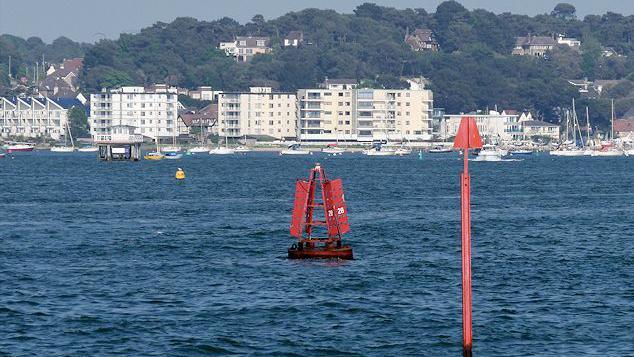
[{"x": 305, "y": 222}]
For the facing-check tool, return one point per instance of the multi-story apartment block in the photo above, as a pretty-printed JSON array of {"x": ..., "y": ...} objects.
[
  {"x": 341, "y": 111},
  {"x": 259, "y": 112},
  {"x": 245, "y": 47},
  {"x": 32, "y": 117},
  {"x": 152, "y": 112}
]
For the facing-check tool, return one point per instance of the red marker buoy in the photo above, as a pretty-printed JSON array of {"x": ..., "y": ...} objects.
[
  {"x": 334, "y": 220},
  {"x": 467, "y": 138}
]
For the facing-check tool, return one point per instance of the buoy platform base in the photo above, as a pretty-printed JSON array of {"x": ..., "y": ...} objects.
[{"x": 343, "y": 252}]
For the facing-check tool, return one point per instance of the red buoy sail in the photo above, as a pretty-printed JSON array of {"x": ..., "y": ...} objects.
[{"x": 308, "y": 218}]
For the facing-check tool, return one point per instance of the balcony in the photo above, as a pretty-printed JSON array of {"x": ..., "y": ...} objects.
[{"x": 118, "y": 138}]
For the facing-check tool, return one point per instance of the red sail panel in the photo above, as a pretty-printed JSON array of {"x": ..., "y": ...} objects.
[
  {"x": 336, "y": 210},
  {"x": 299, "y": 208}
]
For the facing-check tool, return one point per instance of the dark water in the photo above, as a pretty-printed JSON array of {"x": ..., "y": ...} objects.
[{"x": 101, "y": 258}]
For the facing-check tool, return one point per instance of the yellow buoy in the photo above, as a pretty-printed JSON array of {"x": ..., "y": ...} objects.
[{"x": 180, "y": 174}]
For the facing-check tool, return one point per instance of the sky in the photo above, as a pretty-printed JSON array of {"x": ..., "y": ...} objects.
[{"x": 90, "y": 21}]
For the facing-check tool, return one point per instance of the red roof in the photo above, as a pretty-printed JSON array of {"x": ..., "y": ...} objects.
[{"x": 624, "y": 125}]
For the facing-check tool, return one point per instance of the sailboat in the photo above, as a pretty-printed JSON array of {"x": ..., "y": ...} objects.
[
  {"x": 569, "y": 148},
  {"x": 403, "y": 149},
  {"x": 155, "y": 156},
  {"x": 445, "y": 147},
  {"x": 65, "y": 148},
  {"x": 243, "y": 148},
  {"x": 378, "y": 149},
  {"x": 223, "y": 150},
  {"x": 334, "y": 148},
  {"x": 609, "y": 148},
  {"x": 173, "y": 148},
  {"x": 201, "y": 147}
]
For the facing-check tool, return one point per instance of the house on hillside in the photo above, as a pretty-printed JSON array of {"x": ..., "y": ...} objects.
[
  {"x": 624, "y": 126},
  {"x": 533, "y": 45},
  {"x": 244, "y": 48},
  {"x": 568, "y": 41},
  {"x": 294, "y": 39},
  {"x": 422, "y": 40},
  {"x": 62, "y": 80}
]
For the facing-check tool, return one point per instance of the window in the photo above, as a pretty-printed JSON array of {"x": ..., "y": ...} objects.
[
  {"x": 270, "y": 122},
  {"x": 341, "y": 94},
  {"x": 271, "y": 105},
  {"x": 340, "y": 104},
  {"x": 407, "y": 104},
  {"x": 327, "y": 94},
  {"x": 347, "y": 122},
  {"x": 406, "y": 114}
]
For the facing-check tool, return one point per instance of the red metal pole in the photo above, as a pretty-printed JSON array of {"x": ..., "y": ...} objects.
[{"x": 467, "y": 339}]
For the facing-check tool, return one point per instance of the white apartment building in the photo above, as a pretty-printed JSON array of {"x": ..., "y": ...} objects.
[
  {"x": 494, "y": 125},
  {"x": 259, "y": 112},
  {"x": 341, "y": 111},
  {"x": 32, "y": 118},
  {"x": 151, "y": 112}
]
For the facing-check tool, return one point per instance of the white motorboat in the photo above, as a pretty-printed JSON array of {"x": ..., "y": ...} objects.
[
  {"x": 222, "y": 151},
  {"x": 198, "y": 149},
  {"x": 294, "y": 149},
  {"x": 242, "y": 149},
  {"x": 489, "y": 153},
  {"x": 88, "y": 149}
]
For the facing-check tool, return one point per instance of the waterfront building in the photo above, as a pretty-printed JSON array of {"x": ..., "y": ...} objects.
[
  {"x": 496, "y": 126},
  {"x": 151, "y": 112},
  {"x": 32, "y": 117},
  {"x": 538, "y": 128},
  {"x": 258, "y": 112},
  {"x": 339, "y": 110}
]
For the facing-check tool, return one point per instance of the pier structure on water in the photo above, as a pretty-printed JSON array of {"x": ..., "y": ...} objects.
[{"x": 121, "y": 144}]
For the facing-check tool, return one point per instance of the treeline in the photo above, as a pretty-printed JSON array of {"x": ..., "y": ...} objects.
[{"x": 474, "y": 68}]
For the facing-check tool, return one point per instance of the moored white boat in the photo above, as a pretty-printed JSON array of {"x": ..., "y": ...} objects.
[
  {"x": 521, "y": 152},
  {"x": 88, "y": 149},
  {"x": 171, "y": 149},
  {"x": 198, "y": 149},
  {"x": 379, "y": 151},
  {"x": 242, "y": 149},
  {"x": 63, "y": 149},
  {"x": 489, "y": 153},
  {"x": 19, "y": 148},
  {"x": 567, "y": 152},
  {"x": 173, "y": 155},
  {"x": 611, "y": 151},
  {"x": 221, "y": 151},
  {"x": 402, "y": 151},
  {"x": 294, "y": 149},
  {"x": 333, "y": 149},
  {"x": 439, "y": 150}
]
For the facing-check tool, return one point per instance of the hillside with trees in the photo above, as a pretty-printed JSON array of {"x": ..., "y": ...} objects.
[{"x": 474, "y": 68}]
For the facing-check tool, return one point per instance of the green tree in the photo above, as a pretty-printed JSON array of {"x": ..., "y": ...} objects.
[
  {"x": 78, "y": 120},
  {"x": 564, "y": 11}
]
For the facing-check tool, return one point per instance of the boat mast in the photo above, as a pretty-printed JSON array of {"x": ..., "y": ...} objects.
[
  {"x": 567, "y": 127},
  {"x": 72, "y": 143},
  {"x": 587, "y": 126},
  {"x": 612, "y": 122}
]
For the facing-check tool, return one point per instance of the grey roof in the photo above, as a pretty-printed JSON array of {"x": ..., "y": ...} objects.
[
  {"x": 295, "y": 35},
  {"x": 537, "y": 123},
  {"x": 423, "y": 34},
  {"x": 252, "y": 41},
  {"x": 535, "y": 41}
]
